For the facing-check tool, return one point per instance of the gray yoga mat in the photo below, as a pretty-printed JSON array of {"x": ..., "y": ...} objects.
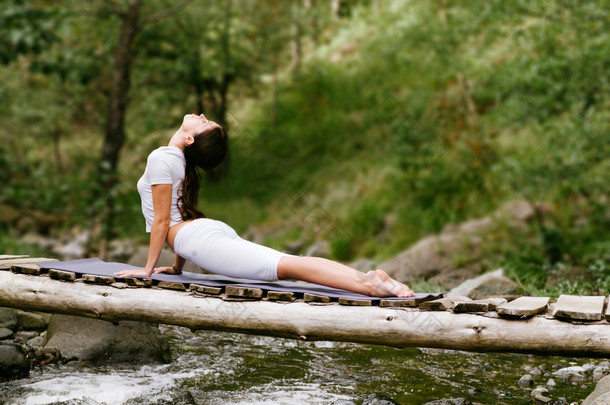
[{"x": 98, "y": 267}]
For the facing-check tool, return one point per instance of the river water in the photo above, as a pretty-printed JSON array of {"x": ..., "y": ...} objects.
[{"x": 226, "y": 368}]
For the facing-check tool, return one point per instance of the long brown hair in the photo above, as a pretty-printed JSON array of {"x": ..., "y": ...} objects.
[{"x": 207, "y": 151}]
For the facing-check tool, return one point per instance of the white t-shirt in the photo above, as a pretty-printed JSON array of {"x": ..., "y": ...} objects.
[{"x": 165, "y": 165}]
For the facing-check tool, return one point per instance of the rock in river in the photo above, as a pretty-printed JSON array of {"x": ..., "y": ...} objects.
[{"x": 94, "y": 340}]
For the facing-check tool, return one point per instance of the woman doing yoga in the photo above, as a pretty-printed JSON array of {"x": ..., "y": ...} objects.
[{"x": 169, "y": 189}]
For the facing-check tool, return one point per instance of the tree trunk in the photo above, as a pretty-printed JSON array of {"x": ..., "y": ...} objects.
[
  {"x": 397, "y": 327},
  {"x": 117, "y": 108}
]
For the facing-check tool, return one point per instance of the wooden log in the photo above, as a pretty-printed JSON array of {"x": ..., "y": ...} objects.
[
  {"x": 298, "y": 320},
  {"x": 62, "y": 275},
  {"x": 524, "y": 307},
  {"x": 7, "y": 264},
  {"x": 579, "y": 308},
  {"x": 10, "y": 257}
]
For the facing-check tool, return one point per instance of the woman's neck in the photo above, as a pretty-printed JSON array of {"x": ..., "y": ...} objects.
[{"x": 177, "y": 140}]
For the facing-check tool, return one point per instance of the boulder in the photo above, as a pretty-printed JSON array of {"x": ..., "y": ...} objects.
[
  {"x": 492, "y": 284},
  {"x": 436, "y": 254},
  {"x": 32, "y": 320},
  {"x": 8, "y": 318},
  {"x": 13, "y": 362},
  {"x": 363, "y": 265},
  {"x": 601, "y": 392},
  {"x": 98, "y": 341}
]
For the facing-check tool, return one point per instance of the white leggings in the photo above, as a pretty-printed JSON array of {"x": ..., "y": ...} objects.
[{"x": 216, "y": 247}]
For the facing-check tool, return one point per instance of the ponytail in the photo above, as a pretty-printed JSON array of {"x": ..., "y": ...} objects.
[
  {"x": 187, "y": 202},
  {"x": 207, "y": 151}
]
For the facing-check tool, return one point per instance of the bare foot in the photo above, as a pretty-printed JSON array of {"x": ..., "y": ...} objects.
[{"x": 383, "y": 285}]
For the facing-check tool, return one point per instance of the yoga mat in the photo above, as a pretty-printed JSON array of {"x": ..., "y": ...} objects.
[{"x": 100, "y": 268}]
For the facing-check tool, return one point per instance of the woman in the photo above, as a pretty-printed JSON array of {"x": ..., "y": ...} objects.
[{"x": 169, "y": 190}]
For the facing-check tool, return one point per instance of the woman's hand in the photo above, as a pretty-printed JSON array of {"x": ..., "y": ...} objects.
[
  {"x": 168, "y": 270},
  {"x": 136, "y": 273}
]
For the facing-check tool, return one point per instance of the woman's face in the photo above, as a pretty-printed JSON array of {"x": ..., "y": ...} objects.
[{"x": 196, "y": 124}]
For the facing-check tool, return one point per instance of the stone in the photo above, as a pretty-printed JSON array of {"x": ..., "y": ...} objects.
[
  {"x": 571, "y": 374},
  {"x": 62, "y": 275},
  {"x": 579, "y": 307},
  {"x": 526, "y": 380},
  {"x": 96, "y": 279},
  {"x": 524, "y": 307},
  {"x": 363, "y": 265},
  {"x": 204, "y": 289},
  {"x": 483, "y": 305},
  {"x": 602, "y": 388},
  {"x": 32, "y": 320},
  {"x": 442, "y": 304},
  {"x": 435, "y": 254},
  {"x": 316, "y": 298},
  {"x": 535, "y": 371},
  {"x": 378, "y": 399},
  {"x": 603, "y": 399},
  {"x": 551, "y": 383},
  {"x": 24, "y": 335},
  {"x": 8, "y": 318},
  {"x": 98, "y": 341},
  {"x": 13, "y": 362},
  {"x": 36, "y": 341},
  {"x": 355, "y": 302},
  {"x": 5, "y": 333},
  {"x": 280, "y": 296},
  {"x": 451, "y": 401},
  {"x": 31, "y": 269},
  {"x": 492, "y": 284},
  {"x": 243, "y": 292},
  {"x": 319, "y": 249}
]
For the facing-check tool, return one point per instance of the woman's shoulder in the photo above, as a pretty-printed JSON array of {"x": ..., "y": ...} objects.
[{"x": 166, "y": 153}]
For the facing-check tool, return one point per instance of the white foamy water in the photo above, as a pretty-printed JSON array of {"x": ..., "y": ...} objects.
[
  {"x": 279, "y": 394},
  {"x": 115, "y": 387}
]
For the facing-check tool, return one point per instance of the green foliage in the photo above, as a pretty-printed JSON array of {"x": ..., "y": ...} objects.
[{"x": 402, "y": 118}]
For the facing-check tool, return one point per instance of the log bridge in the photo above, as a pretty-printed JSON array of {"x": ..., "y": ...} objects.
[{"x": 570, "y": 325}]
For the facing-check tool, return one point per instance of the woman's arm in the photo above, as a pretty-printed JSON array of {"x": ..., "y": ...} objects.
[{"x": 162, "y": 200}]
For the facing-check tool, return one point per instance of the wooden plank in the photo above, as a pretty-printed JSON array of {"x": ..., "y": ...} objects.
[
  {"x": 138, "y": 282},
  {"x": 524, "y": 307},
  {"x": 382, "y": 326},
  {"x": 355, "y": 302},
  {"x": 62, "y": 275},
  {"x": 280, "y": 296},
  {"x": 11, "y": 257},
  {"x": 316, "y": 298},
  {"x": 31, "y": 269},
  {"x": 171, "y": 285},
  {"x": 243, "y": 292},
  {"x": 442, "y": 304},
  {"x": 204, "y": 289},
  {"x": 579, "y": 307},
  {"x": 7, "y": 264},
  {"x": 95, "y": 279}
]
